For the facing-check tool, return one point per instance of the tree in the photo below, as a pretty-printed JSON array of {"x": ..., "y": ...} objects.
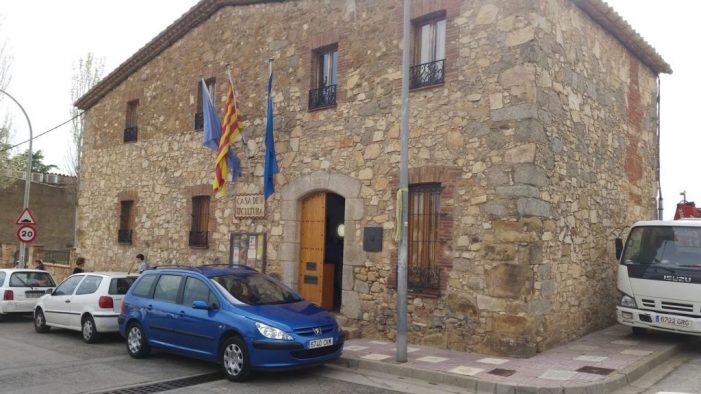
[
  {"x": 86, "y": 74},
  {"x": 20, "y": 161},
  {"x": 7, "y": 165}
]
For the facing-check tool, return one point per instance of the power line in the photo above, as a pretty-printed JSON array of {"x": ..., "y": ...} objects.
[{"x": 47, "y": 131}]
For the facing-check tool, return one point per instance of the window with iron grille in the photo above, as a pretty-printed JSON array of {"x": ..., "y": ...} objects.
[
  {"x": 428, "y": 51},
  {"x": 423, "y": 273},
  {"x": 200, "y": 221},
  {"x": 325, "y": 62},
  {"x": 130, "y": 127},
  {"x": 126, "y": 219},
  {"x": 199, "y": 114}
]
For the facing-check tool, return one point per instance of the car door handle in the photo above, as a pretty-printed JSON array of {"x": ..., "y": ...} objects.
[
  {"x": 150, "y": 307},
  {"x": 67, "y": 301}
]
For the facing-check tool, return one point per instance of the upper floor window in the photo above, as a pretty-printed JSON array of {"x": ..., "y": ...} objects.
[
  {"x": 323, "y": 92},
  {"x": 126, "y": 221},
  {"x": 424, "y": 244},
  {"x": 429, "y": 51},
  {"x": 200, "y": 221},
  {"x": 130, "y": 127},
  {"x": 199, "y": 114}
]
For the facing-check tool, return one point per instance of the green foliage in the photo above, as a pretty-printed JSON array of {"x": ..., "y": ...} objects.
[{"x": 20, "y": 161}]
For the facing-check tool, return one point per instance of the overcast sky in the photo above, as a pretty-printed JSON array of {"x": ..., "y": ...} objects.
[{"x": 47, "y": 37}]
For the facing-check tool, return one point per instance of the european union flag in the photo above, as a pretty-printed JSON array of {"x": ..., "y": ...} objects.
[
  {"x": 271, "y": 167},
  {"x": 212, "y": 126}
]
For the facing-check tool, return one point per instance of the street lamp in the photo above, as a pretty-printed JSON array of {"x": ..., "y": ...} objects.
[{"x": 28, "y": 175}]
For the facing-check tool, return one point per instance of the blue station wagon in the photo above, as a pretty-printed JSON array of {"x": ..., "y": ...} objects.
[{"x": 233, "y": 315}]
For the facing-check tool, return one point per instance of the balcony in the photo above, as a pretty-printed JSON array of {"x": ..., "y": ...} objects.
[
  {"x": 199, "y": 121},
  {"x": 124, "y": 236},
  {"x": 322, "y": 97},
  {"x": 426, "y": 74},
  {"x": 130, "y": 134},
  {"x": 198, "y": 239}
]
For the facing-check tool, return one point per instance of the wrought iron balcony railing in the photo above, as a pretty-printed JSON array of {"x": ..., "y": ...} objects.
[
  {"x": 198, "y": 238},
  {"x": 322, "y": 97},
  {"x": 426, "y": 74},
  {"x": 199, "y": 121},
  {"x": 124, "y": 236},
  {"x": 130, "y": 134}
]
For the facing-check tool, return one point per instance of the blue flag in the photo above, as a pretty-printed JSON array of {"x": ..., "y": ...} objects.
[
  {"x": 212, "y": 126},
  {"x": 270, "y": 160}
]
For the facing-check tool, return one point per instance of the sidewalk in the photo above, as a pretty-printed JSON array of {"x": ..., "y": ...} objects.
[{"x": 600, "y": 362}]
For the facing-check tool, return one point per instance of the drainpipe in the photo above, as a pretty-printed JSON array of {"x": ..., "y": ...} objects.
[{"x": 660, "y": 207}]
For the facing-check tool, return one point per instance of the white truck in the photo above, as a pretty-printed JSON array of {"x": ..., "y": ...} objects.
[{"x": 659, "y": 277}]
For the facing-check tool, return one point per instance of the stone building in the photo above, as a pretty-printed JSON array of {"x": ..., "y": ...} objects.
[{"x": 533, "y": 144}]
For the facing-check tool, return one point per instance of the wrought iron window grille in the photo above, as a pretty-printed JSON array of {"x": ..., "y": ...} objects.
[
  {"x": 199, "y": 121},
  {"x": 130, "y": 134},
  {"x": 427, "y": 74},
  {"x": 322, "y": 97},
  {"x": 199, "y": 238},
  {"x": 124, "y": 236}
]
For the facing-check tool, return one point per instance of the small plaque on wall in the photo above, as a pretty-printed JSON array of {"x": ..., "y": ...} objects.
[
  {"x": 248, "y": 249},
  {"x": 249, "y": 206},
  {"x": 372, "y": 239}
]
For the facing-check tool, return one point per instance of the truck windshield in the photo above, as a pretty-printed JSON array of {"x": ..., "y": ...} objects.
[{"x": 664, "y": 247}]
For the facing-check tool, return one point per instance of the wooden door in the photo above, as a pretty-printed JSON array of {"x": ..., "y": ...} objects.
[{"x": 311, "y": 247}]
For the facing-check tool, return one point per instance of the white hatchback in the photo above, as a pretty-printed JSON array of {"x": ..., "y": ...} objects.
[
  {"x": 21, "y": 288},
  {"x": 87, "y": 302}
]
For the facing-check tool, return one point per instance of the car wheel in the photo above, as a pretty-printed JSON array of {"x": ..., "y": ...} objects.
[
  {"x": 234, "y": 360},
  {"x": 40, "y": 322},
  {"x": 90, "y": 334},
  {"x": 136, "y": 342},
  {"x": 639, "y": 331}
]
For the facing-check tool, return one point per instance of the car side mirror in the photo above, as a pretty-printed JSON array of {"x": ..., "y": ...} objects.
[
  {"x": 199, "y": 304},
  {"x": 619, "y": 248}
]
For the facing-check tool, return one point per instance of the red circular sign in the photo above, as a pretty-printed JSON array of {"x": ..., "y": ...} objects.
[{"x": 26, "y": 233}]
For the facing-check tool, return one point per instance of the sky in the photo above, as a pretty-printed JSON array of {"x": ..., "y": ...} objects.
[{"x": 47, "y": 45}]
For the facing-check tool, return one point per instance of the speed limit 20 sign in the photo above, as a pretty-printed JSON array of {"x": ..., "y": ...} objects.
[{"x": 26, "y": 233}]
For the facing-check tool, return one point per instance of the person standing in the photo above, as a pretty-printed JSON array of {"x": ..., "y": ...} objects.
[
  {"x": 39, "y": 265},
  {"x": 141, "y": 263},
  {"x": 79, "y": 265}
]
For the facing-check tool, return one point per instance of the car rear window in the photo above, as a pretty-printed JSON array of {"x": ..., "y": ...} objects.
[
  {"x": 119, "y": 286},
  {"x": 31, "y": 279}
]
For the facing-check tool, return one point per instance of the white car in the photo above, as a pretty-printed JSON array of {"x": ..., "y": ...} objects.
[
  {"x": 21, "y": 288},
  {"x": 88, "y": 302}
]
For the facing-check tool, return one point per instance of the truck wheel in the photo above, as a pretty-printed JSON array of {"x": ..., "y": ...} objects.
[{"x": 639, "y": 331}]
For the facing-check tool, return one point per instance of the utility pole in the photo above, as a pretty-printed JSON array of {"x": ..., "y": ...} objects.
[
  {"x": 402, "y": 310},
  {"x": 27, "y": 176}
]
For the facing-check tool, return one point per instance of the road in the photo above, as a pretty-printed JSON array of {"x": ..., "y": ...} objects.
[{"x": 60, "y": 362}]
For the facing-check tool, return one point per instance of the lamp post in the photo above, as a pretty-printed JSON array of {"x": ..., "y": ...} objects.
[{"x": 28, "y": 174}]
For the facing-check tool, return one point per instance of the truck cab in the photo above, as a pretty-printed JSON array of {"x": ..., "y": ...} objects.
[{"x": 659, "y": 277}]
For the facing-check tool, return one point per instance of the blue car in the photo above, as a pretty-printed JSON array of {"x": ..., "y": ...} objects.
[{"x": 235, "y": 316}]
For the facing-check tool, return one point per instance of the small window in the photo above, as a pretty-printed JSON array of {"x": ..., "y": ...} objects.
[
  {"x": 196, "y": 290},
  {"x": 323, "y": 92},
  {"x": 167, "y": 288},
  {"x": 68, "y": 285},
  {"x": 200, "y": 221},
  {"x": 89, "y": 285},
  {"x": 126, "y": 219},
  {"x": 199, "y": 114},
  {"x": 145, "y": 286},
  {"x": 2, "y": 278},
  {"x": 131, "y": 125},
  {"x": 424, "y": 245},
  {"x": 428, "y": 51},
  {"x": 120, "y": 286}
]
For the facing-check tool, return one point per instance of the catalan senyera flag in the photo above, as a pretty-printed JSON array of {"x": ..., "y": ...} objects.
[{"x": 226, "y": 161}]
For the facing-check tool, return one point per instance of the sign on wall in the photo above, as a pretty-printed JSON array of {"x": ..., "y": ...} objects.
[
  {"x": 250, "y": 206},
  {"x": 248, "y": 249}
]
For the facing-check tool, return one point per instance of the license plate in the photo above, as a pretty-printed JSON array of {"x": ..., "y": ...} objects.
[
  {"x": 34, "y": 294},
  {"x": 320, "y": 343},
  {"x": 673, "y": 321}
]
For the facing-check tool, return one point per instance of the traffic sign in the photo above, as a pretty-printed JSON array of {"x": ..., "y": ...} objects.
[
  {"x": 26, "y": 217},
  {"x": 26, "y": 233}
]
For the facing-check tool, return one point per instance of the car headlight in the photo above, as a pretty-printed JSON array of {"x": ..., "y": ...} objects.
[
  {"x": 272, "y": 332},
  {"x": 627, "y": 301}
]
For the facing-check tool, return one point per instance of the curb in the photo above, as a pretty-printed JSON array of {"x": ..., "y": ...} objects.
[{"x": 615, "y": 381}]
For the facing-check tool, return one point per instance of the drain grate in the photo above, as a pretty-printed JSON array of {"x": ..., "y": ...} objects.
[
  {"x": 502, "y": 372},
  {"x": 595, "y": 370},
  {"x": 167, "y": 385}
]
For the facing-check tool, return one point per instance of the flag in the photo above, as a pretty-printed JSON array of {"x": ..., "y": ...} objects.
[
  {"x": 226, "y": 159},
  {"x": 270, "y": 160},
  {"x": 212, "y": 127}
]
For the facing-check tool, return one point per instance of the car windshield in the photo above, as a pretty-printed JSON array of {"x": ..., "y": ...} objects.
[
  {"x": 31, "y": 279},
  {"x": 256, "y": 289},
  {"x": 665, "y": 247}
]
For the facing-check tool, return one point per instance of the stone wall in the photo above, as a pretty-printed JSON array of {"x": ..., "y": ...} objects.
[{"x": 545, "y": 152}]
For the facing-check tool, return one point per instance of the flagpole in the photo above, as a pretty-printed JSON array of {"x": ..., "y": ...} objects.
[{"x": 402, "y": 309}]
